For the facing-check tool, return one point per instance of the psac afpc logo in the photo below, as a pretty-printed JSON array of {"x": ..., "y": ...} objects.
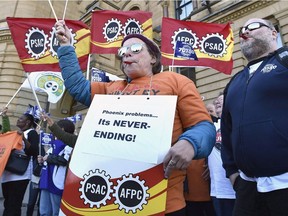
[
  {"x": 114, "y": 28},
  {"x": 130, "y": 193},
  {"x": 37, "y": 42},
  {"x": 212, "y": 44}
]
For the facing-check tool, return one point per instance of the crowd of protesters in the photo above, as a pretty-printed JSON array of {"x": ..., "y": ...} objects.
[{"x": 241, "y": 170}]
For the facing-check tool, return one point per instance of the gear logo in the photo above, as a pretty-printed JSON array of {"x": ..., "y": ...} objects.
[
  {"x": 36, "y": 41},
  {"x": 46, "y": 139},
  {"x": 130, "y": 194},
  {"x": 96, "y": 188},
  {"x": 186, "y": 36},
  {"x": 132, "y": 26},
  {"x": 214, "y": 45},
  {"x": 112, "y": 30},
  {"x": 54, "y": 43}
]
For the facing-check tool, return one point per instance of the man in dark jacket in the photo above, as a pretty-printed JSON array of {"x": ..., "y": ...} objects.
[{"x": 254, "y": 124}]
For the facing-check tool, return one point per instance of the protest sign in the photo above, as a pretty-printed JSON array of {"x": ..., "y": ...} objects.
[{"x": 116, "y": 167}]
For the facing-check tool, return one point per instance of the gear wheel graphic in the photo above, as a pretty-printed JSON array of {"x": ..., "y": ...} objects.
[
  {"x": 134, "y": 24},
  {"x": 54, "y": 44},
  {"x": 115, "y": 26},
  {"x": 130, "y": 193},
  {"x": 96, "y": 188},
  {"x": 187, "y": 34},
  {"x": 36, "y": 42},
  {"x": 215, "y": 39}
]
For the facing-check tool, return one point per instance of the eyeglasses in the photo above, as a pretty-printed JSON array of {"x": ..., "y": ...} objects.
[
  {"x": 135, "y": 48},
  {"x": 252, "y": 26}
]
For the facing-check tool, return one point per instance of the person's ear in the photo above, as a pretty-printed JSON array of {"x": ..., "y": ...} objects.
[
  {"x": 28, "y": 122},
  {"x": 275, "y": 34},
  {"x": 153, "y": 60}
]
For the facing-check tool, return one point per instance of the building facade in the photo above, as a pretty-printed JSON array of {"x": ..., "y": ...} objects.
[{"x": 208, "y": 81}]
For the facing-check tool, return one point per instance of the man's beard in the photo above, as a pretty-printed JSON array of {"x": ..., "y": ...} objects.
[{"x": 254, "y": 49}]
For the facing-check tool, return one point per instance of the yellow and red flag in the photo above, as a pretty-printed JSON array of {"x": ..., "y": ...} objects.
[
  {"x": 8, "y": 141},
  {"x": 108, "y": 28},
  {"x": 212, "y": 43},
  {"x": 37, "y": 44}
]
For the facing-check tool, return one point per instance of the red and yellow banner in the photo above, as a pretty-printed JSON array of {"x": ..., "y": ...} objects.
[
  {"x": 108, "y": 28},
  {"x": 212, "y": 43},
  {"x": 94, "y": 194},
  {"x": 37, "y": 44}
]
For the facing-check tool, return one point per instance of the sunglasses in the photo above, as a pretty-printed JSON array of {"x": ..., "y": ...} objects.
[
  {"x": 252, "y": 26},
  {"x": 134, "y": 48}
]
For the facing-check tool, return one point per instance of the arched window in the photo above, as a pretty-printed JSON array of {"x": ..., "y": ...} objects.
[
  {"x": 134, "y": 8},
  {"x": 184, "y": 8}
]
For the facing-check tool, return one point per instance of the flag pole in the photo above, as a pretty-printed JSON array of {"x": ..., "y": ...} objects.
[
  {"x": 13, "y": 97},
  {"x": 33, "y": 90},
  {"x": 88, "y": 67},
  {"x": 40, "y": 142},
  {"x": 64, "y": 13},
  {"x": 173, "y": 57},
  {"x": 39, "y": 128},
  {"x": 51, "y": 6}
]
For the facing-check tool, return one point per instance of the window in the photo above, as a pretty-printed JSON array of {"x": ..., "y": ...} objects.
[
  {"x": 279, "y": 37},
  {"x": 135, "y": 8},
  {"x": 279, "y": 40},
  {"x": 184, "y": 8},
  {"x": 188, "y": 72}
]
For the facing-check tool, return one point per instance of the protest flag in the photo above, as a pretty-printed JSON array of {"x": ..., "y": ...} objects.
[
  {"x": 34, "y": 111},
  {"x": 49, "y": 82},
  {"x": 98, "y": 75},
  {"x": 185, "y": 51},
  {"x": 37, "y": 45},
  {"x": 46, "y": 138},
  {"x": 213, "y": 44},
  {"x": 77, "y": 117},
  {"x": 108, "y": 28}
]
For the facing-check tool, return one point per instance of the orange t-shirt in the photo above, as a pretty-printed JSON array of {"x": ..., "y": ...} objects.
[
  {"x": 8, "y": 141},
  {"x": 190, "y": 110}
]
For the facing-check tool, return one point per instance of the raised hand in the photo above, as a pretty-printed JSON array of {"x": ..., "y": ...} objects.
[{"x": 62, "y": 33}]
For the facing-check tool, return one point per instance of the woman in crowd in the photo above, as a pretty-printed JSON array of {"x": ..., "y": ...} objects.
[
  {"x": 140, "y": 62},
  {"x": 14, "y": 185}
]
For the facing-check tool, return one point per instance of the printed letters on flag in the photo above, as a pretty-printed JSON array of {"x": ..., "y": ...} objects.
[
  {"x": 108, "y": 28},
  {"x": 46, "y": 138},
  {"x": 184, "y": 50},
  {"x": 213, "y": 43},
  {"x": 37, "y": 44},
  {"x": 50, "y": 82},
  {"x": 98, "y": 75}
]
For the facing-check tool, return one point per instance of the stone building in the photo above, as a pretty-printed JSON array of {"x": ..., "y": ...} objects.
[{"x": 209, "y": 81}]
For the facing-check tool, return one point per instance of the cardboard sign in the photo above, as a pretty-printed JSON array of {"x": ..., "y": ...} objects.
[{"x": 116, "y": 167}]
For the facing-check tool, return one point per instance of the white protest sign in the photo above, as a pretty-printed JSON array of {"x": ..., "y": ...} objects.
[
  {"x": 116, "y": 165},
  {"x": 129, "y": 127}
]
